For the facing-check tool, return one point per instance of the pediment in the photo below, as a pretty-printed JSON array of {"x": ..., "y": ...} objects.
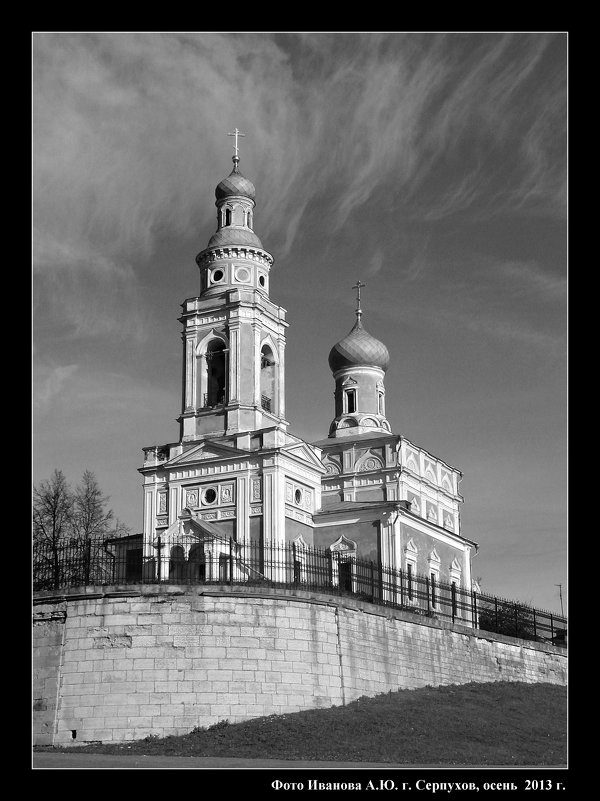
[
  {"x": 206, "y": 451},
  {"x": 306, "y": 454},
  {"x": 410, "y": 546}
]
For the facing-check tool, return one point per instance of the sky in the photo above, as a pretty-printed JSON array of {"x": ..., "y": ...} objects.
[{"x": 431, "y": 166}]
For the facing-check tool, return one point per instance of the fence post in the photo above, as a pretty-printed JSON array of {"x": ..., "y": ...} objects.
[
  {"x": 496, "y": 612},
  {"x": 87, "y": 559},
  {"x": 428, "y": 599},
  {"x": 294, "y": 564},
  {"x": 534, "y": 625},
  {"x": 516, "y": 621},
  {"x": 230, "y": 561},
  {"x": 372, "y": 581},
  {"x": 474, "y": 608},
  {"x": 159, "y": 558},
  {"x": 453, "y": 595},
  {"x": 401, "y": 588},
  {"x": 551, "y": 627}
]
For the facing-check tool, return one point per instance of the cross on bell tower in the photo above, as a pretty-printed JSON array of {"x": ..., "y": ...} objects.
[{"x": 234, "y": 336}]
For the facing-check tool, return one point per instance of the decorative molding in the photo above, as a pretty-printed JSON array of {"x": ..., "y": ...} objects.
[{"x": 343, "y": 545}]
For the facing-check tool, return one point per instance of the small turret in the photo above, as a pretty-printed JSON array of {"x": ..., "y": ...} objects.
[{"x": 358, "y": 363}]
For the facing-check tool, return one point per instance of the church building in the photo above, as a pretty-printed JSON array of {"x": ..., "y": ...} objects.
[{"x": 238, "y": 481}]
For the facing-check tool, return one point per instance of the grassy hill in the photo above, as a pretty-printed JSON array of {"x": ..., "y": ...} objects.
[{"x": 501, "y": 723}]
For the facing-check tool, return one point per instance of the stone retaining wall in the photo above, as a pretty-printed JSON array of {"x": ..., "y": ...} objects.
[{"x": 114, "y": 664}]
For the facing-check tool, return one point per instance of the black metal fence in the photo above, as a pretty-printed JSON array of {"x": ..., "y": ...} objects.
[{"x": 190, "y": 561}]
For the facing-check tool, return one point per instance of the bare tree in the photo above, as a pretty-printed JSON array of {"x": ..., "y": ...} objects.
[
  {"x": 69, "y": 532},
  {"x": 52, "y": 516},
  {"x": 93, "y": 523}
]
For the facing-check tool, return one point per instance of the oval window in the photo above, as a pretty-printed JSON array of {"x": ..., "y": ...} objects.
[
  {"x": 298, "y": 496},
  {"x": 261, "y": 280},
  {"x": 217, "y": 275},
  {"x": 210, "y": 496}
]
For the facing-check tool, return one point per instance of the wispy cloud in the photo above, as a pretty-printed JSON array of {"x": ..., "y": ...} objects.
[
  {"x": 49, "y": 382},
  {"x": 128, "y": 128}
]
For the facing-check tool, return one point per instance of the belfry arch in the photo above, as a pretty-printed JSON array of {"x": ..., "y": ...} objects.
[
  {"x": 211, "y": 371},
  {"x": 268, "y": 378}
]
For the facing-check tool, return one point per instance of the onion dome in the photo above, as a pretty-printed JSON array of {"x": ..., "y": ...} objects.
[
  {"x": 359, "y": 348},
  {"x": 235, "y": 185}
]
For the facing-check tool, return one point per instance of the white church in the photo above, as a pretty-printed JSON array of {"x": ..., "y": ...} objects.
[{"x": 238, "y": 482}]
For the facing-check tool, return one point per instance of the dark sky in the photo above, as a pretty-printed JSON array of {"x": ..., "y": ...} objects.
[{"x": 432, "y": 166}]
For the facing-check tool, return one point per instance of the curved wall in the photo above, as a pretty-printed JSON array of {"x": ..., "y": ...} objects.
[{"x": 113, "y": 664}]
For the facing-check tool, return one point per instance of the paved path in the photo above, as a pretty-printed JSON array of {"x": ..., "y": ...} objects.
[{"x": 49, "y": 759}]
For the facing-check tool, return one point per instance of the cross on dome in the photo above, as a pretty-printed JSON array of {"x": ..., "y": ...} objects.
[
  {"x": 235, "y": 147},
  {"x": 358, "y": 286}
]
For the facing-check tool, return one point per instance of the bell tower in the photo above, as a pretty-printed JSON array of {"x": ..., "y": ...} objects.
[{"x": 233, "y": 335}]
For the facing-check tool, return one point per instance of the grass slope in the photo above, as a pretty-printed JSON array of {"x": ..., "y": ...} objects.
[{"x": 501, "y": 723}]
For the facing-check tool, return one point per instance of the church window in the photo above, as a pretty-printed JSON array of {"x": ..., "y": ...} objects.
[
  {"x": 380, "y": 407},
  {"x": 298, "y": 496},
  {"x": 223, "y": 567},
  {"x": 217, "y": 276},
  {"x": 454, "y": 604},
  {"x": 350, "y": 401},
  {"x": 210, "y": 496},
  {"x": 261, "y": 280},
  {"x": 345, "y": 571},
  {"x": 267, "y": 379},
  {"x": 249, "y": 219},
  {"x": 215, "y": 374},
  {"x": 227, "y": 216}
]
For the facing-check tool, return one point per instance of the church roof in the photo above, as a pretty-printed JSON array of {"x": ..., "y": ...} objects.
[
  {"x": 235, "y": 185},
  {"x": 359, "y": 348},
  {"x": 234, "y": 236}
]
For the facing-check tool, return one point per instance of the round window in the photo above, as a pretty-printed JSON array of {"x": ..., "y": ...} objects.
[
  {"x": 261, "y": 280},
  {"x": 298, "y": 496},
  {"x": 217, "y": 276},
  {"x": 242, "y": 274},
  {"x": 210, "y": 496}
]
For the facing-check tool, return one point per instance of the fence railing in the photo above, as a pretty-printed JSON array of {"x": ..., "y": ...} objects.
[{"x": 103, "y": 562}]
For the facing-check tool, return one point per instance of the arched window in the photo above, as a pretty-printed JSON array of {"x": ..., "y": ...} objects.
[
  {"x": 267, "y": 379},
  {"x": 216, "y": 375},
  {"x": 350, "y": 401},
  {"x": 227, "y": 216}
]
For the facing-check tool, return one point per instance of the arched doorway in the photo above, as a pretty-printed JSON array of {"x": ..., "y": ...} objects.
[
  {"x": 197, "y": 563},
  {"x": 177, "y": 564}
]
